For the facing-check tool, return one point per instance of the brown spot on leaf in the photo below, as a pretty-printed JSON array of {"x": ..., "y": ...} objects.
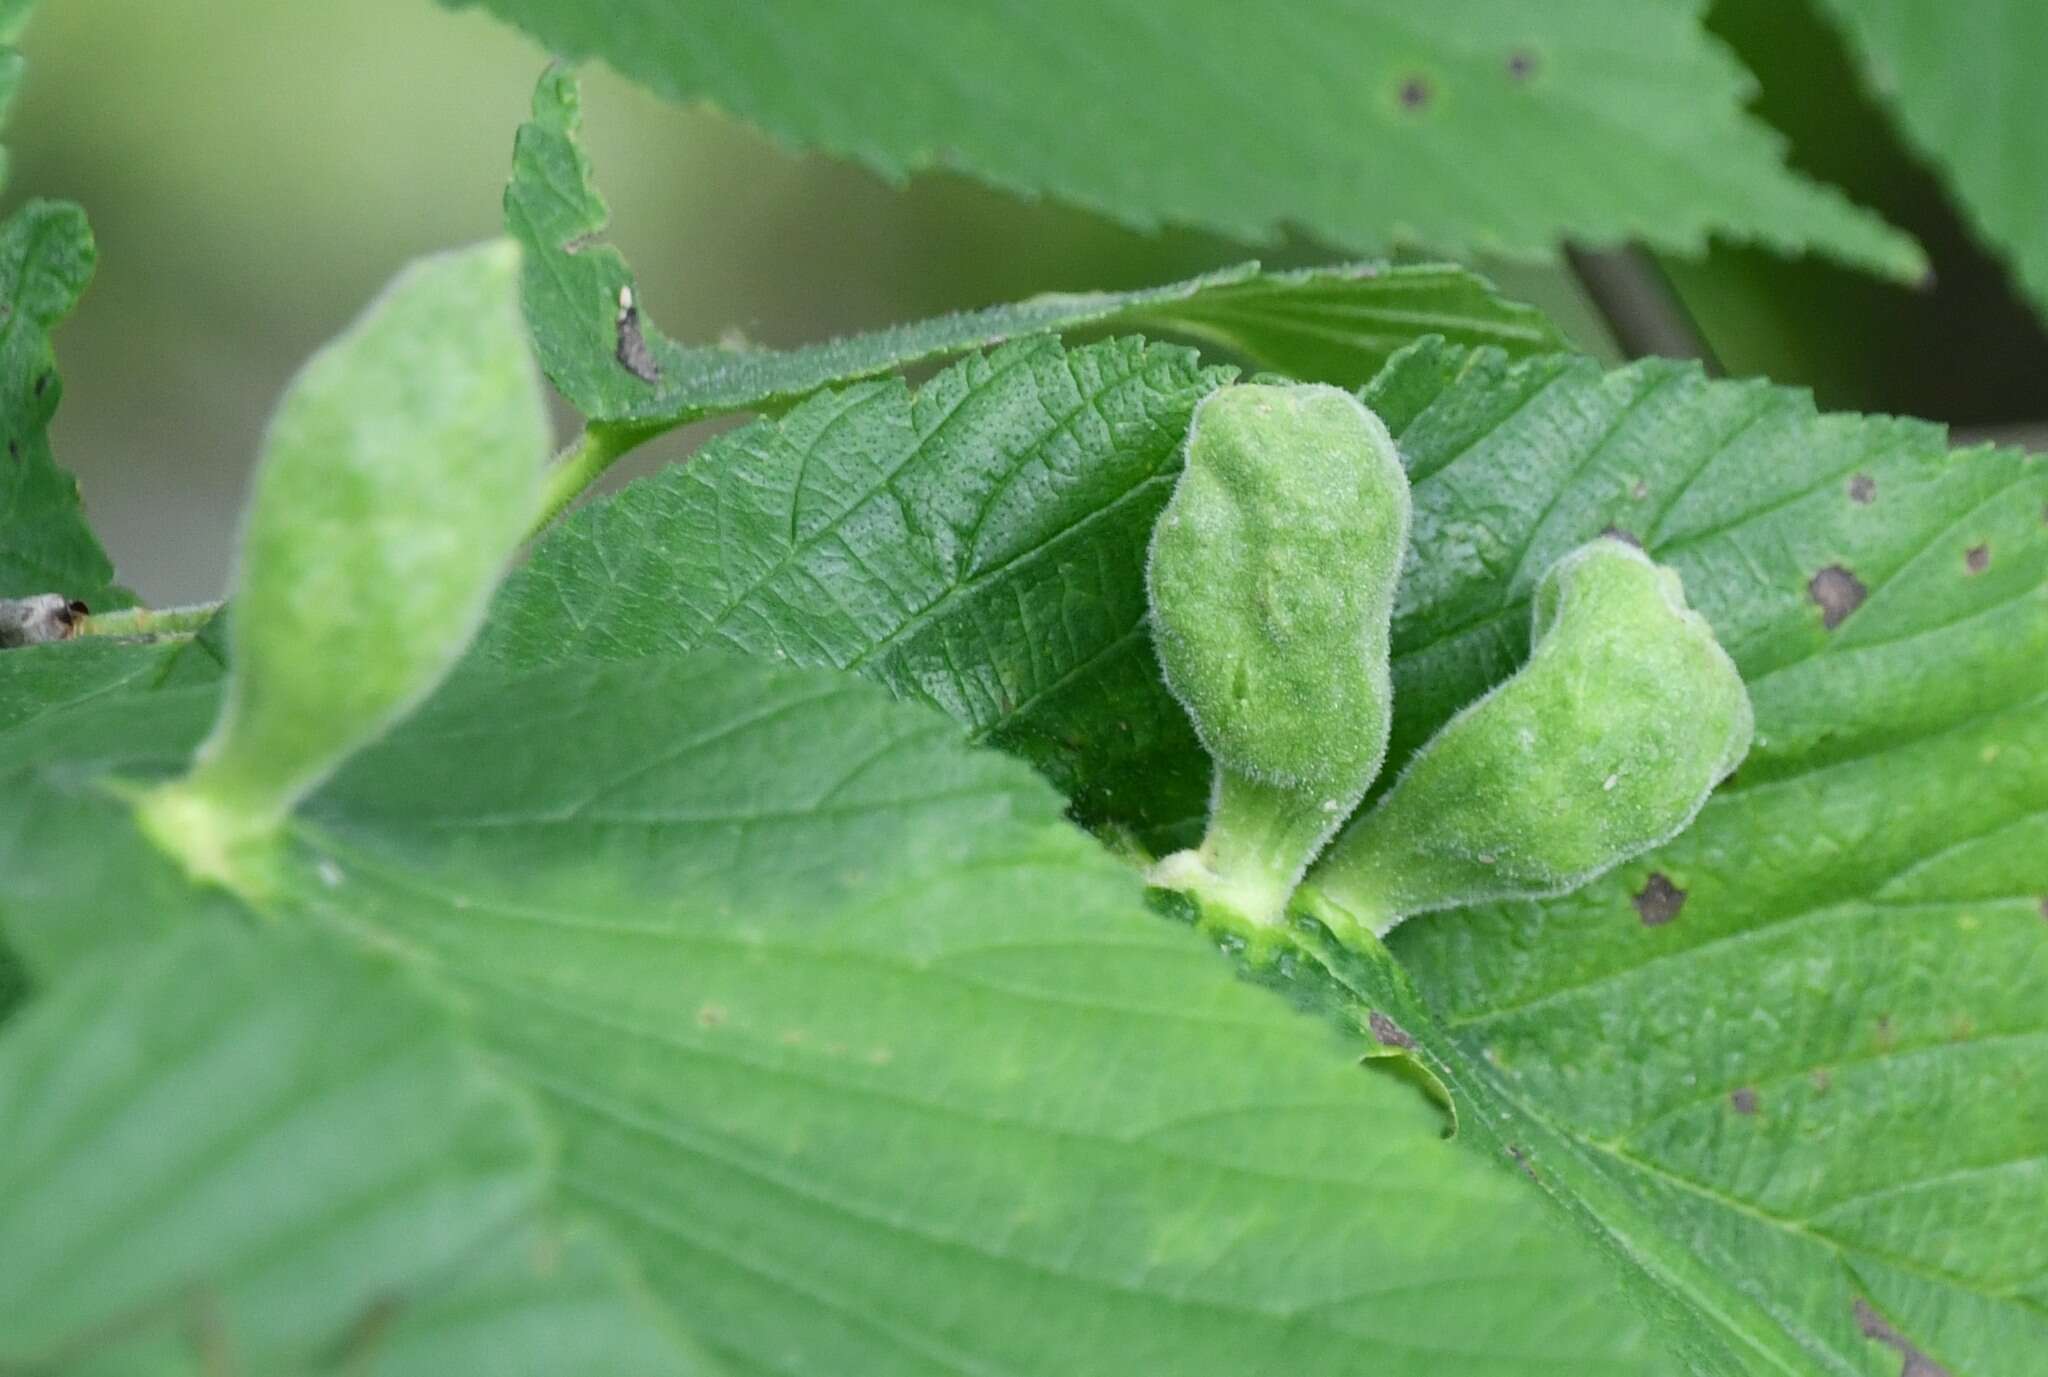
[
  {"x": 1822, "y": 1080},
  {"x": 1521, "y": 64},
  {"x": 1837, "y": 593},
  {"x": 1389, "y": 1033},
  {"x": 1659, "y": 900},
  {"x": 1876, "y": 1328},
  {"x": 710, "y": 1016},
  {"x": 1976, "y": 559},
  {"x": 1625, "y": 537},
  {"x": 634, "y": 355},
  {"x": 1886, "y": 1039},
  {"x": 2044, "y": 908},
  {"x": 1744, "y": 1099},
  {"x": 1863, "y": 490},
  {"x": 1415, "y": 93}
]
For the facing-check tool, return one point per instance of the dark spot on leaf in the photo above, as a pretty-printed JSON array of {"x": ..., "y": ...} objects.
[
  {"x": 1744, "y": 1100},
  {"x": 710, "y": 1016},
  {"x": 1415, "y": 93},
  {"x": 1822, "y": 1080},
  {"x": 1389, "y": 1033},
  {"x": 14, "y": 450},
  {"x": 42, "y": 383},
  {"x": 1863, "y": 490},
  {"x": 1885, "y": 1040},
  {"x": 1521, "y": 64},
  {"x": 1625, "y": 537},
  {"x": 1976, "y": 559},
  {"x": 1659, "y": 900},
  {"x": 1522, "y": 1160},
  {"x": 634, "y": 355},
  {"x": 1837, "y": 593},
  {"x": 1875, "y": 1327}
]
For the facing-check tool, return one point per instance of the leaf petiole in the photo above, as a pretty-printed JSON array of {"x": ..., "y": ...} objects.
[{"x": 582, "y": 463}]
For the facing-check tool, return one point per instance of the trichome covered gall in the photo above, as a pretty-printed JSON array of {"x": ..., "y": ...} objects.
[
  {"x": 1271, "y": 580},
  {"x": 1605, "y": 744},
  {"x": 400, "y": 471}
]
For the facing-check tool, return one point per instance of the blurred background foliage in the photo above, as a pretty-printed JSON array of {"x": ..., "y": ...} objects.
[{"x": 254, "y": 171}]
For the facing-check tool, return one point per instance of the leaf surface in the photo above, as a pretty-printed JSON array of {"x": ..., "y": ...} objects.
[
  {"x": 1338, "y": 324},
  {"x": 241, "y": 1151},
  {"x": 1480, "y": 125},
  {"x": 1853, "y": 935},
  {"x": 974, "y": 546},
  {"x": 46, "y": 259},
  {"x": 870, "y": 1060},
  {"x": 1963, "y": 78},
  {"x": 1809, "y": 1033}
]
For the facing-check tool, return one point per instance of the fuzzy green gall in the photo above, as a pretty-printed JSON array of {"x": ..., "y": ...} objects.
[
  {"x": 1605, "y": 744},
  {"x": 399, "y": 473},
  {"x": 1272, "y": 578}
]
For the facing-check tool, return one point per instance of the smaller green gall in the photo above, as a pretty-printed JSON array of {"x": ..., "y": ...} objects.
[
  {"x": 1272, "y": 578},
  {"x": 1605, "y": 744},
  {"x": 399, "y": 473}
]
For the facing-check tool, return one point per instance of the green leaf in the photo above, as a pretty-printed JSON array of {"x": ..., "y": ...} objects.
[
  {"x": 46, "y": 258},
  {"x": 872, "y": 1062},
  {"x": 1809, "y": 1033},
  {"x": 233, "y": 1151},
  {"x": 1337, "y": 324},
  {"x": 40, "y": 679},
  {"x": 1861, "y": 910},
  {"x": 1476, "y": 125},
  {"x": 1963, "y": 78},
  {"x": 978, "y": 546}
]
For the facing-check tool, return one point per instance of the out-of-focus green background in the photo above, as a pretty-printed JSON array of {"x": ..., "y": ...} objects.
[{"x": 255, "y": 170}]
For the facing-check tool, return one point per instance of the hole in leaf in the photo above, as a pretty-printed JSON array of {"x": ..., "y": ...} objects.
[
  {"x": 1874, "y": 1327},
  {"x": 1659, "y": 900},
  {"x": 1837, "y": 593}
]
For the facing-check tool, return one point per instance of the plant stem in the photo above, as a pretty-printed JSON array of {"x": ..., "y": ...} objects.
[
  {"x": 1349, "y": 915},
  {"x": 149, "y": 621},
  {"x": 580, "y": 465},
  {"x": 1640, "y": 306}
]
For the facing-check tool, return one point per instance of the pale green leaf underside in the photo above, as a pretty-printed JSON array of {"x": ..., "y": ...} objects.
[
  {"x": 1964, "y": 78},
  {"x": 232, "y": 1151},
  {"x": 1463, "y": 126},
  {"x": 872, "y": 1062},
  {"x": 1865, "y": 899},
  {"x": 1339, "y": 323},
  {"x": 46, "y": 259}
]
